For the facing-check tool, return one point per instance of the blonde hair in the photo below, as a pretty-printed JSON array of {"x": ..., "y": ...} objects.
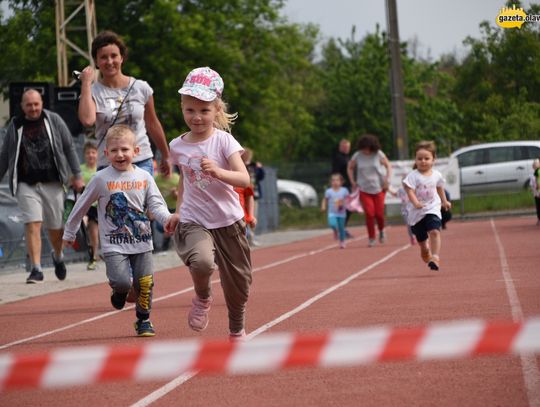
[
  {"x": 119, "y": 131},
  {"x": 247, "y": 155},
  {"x": 224, "y": 120}
]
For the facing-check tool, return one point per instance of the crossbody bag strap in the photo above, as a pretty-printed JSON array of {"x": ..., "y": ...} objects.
[{"x": 118, "y": 112}]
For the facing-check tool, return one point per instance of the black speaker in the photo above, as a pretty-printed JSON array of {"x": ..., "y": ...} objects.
[
  {"x": 66, "y": 102},
  {"x": 16, "y": 90}
]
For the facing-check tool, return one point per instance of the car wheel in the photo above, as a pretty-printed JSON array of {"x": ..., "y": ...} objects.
[{"x": 289, "y": 200}]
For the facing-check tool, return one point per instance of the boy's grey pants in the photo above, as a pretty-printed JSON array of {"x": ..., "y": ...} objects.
[{"x": 119, "y": 275}]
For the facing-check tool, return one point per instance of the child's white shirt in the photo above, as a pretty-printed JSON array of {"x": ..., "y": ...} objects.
[
  {"x": 425, "y": 188},
  {"x": 336, "y": 201},
  {"x": 207, "y": 201},
  {"x": 123, "y": 199}
]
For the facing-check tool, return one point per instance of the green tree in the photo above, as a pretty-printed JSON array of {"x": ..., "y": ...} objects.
[
  {"x": 356, "y": 92},
  {"x": 498, "y": 84},
  {"x": 266, "y": 62},
  {"x": 357, "y": 96}
]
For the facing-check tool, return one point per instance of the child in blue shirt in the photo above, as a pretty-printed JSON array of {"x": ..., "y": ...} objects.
[{"x": 334, "y": 203}]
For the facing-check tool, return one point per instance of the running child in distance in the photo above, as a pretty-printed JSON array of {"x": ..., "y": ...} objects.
[
  {"x": 210, "y": 231},
  {"x": 124, "y": 193},
  {"x": 334, "y": 203},
  {"x": 425, "y": 189}
]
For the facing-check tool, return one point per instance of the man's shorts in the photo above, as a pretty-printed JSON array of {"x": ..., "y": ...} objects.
[
  {"x": 42, "y": 202},
  {"x": 428, "y": 222},
  {"x": 92, "y": 214}
]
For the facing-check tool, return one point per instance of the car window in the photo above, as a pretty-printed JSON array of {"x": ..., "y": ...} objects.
[
  {"x": 530, "y": 153},
  {"x": 500, "y": 154},
  {"x": 475, "y": 157}
]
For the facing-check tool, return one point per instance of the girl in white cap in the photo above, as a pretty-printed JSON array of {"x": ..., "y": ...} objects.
[{"x": 208, "y": 225}]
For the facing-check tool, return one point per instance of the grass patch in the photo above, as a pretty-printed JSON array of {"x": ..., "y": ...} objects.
[
  {"x": 305, "y": 218},
  {"x": 313, "y": 218},
  {"x": 496, "y": 202}
]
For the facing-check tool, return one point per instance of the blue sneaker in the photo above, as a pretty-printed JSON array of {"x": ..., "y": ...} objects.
[{"x": 144, "y": 328}]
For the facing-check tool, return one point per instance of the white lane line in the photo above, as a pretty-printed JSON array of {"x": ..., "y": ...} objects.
[
  {"x": 178, "y": 381},
  {"x": 531, "y": 374},
  {"x": 165, "y": 297}
]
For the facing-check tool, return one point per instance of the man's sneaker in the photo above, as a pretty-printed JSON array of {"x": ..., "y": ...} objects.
[
  {"x": 118, "y": 300},
  {"x": 144, "y": 328},
  {"x": 371, "y": 242},
  {"x": 237, "y": 336},
  {"x": 59, "y": 267},
  {"x": 434, "y": 263},
  {"x": 198, "y": 315},
  {"x": 92, "y": 265},
  {"x": 425, "y": 253},
  {"x": 382, "y": 237},
  {"x": 36, "y": 276}
]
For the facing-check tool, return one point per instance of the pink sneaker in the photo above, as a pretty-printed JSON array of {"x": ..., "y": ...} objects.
[
  {"x": 342, "y": 245},
  {"x": 237, "y": 336},
  {"x": 198, "y": 315}
]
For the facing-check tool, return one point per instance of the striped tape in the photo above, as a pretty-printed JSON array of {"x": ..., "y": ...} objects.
[{"x": 164, "y": 360}]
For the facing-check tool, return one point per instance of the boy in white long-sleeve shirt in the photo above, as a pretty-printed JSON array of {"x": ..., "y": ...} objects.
[{"x": 124, "y": 194}]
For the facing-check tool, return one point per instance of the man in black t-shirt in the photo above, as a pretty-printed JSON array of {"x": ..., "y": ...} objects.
[
  {"x": 40, "y": 158},
  {"x": 341, "y": 160}
]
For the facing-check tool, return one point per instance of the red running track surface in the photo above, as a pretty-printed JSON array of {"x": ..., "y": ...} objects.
[{"x": 489, "y": 271}]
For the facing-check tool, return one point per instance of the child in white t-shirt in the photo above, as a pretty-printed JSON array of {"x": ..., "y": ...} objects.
[
  {"x": 209, "y": 227},
  {"x": 425, "y": 189},
  {"x": 125, "y": 194}
]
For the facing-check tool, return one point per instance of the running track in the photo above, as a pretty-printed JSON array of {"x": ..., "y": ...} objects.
[{"x": 490, "y": 271}]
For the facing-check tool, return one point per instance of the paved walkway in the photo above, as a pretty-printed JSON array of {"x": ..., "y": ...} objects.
[{"x": 13, "y": 285}]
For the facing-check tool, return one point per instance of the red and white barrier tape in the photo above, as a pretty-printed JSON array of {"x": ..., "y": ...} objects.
[{"x": 267, "y": 353}]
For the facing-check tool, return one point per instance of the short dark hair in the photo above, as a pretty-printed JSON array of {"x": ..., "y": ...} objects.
[
  {"x": 89, "y": 145},
  {"x": 370, "y": 142},
  {"x": 108, "y": 38}
]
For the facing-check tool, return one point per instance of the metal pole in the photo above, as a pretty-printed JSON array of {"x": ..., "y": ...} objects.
[
  {"x": 61, "y": 52},
  {"x": 401, "y": 143}
]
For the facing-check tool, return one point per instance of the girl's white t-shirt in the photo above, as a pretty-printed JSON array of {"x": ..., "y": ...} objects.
[
  {"x": 207, "y": 201},
  {"x": 425, "y": 188}
]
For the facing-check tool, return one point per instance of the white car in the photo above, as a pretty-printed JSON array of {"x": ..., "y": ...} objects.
[
  {"x": 296, "y": 194},
  {"x": 497, "y": 167}
]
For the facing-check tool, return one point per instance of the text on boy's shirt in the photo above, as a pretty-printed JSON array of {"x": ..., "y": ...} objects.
[{"x": 126, "y": 185}]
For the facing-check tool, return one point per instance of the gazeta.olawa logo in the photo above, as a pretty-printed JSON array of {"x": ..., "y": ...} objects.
[{"x": 514, "y": 17}]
